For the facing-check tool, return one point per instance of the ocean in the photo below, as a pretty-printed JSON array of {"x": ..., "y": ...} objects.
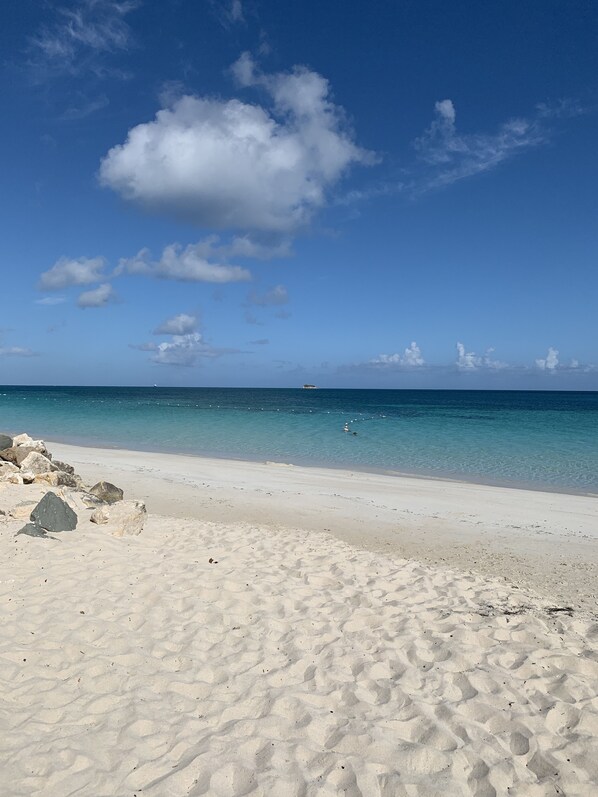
[{"x": 543, "y": 440}]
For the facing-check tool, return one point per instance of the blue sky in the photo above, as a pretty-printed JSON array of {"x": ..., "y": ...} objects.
[{"x": 382, "y": 194}]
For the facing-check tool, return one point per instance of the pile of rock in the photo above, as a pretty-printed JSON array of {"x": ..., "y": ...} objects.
[{"x": 24, "y": 461}]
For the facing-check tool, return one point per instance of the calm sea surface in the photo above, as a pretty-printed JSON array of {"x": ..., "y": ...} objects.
[{"x": 535, "y": 439}]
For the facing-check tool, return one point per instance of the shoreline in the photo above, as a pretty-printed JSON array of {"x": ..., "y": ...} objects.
[
  {"x": 359, "y": 468},
  {"x": 544, "y": 541}
]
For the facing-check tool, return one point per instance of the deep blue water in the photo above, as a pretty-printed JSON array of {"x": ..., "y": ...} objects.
[{"x": 535, "y": 439}]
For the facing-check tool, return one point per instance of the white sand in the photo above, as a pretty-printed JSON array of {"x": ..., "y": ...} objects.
[{"x": 294, "y": 663}]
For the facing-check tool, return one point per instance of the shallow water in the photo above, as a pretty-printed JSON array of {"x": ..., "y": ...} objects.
[{"x": 533, "y": 439}]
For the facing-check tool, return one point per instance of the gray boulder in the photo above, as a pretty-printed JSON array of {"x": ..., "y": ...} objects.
[
  {"x": 63, "y": 466},
  {"x": 107, "y": 492},
  {"x": 54, "y": 514},
  {"x": 5, "y": 441}
]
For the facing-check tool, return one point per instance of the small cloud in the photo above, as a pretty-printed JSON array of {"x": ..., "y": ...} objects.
[
  {"x": 66, "y": 272},
  {"x": 410, "y": 358},
  {"x": 181, "y": 324},
  {"x": 228, "y": 12},
  {"x": 260, "y": 342},
  {"x": 78, "y": 36},
  {"x": 184, "y": 265},
  {"x": 182, "y": 350},
  {"x": 250, "y": 318},
  {"x": 51, "y": 300},
  {"x": 276, "y": 296},
  {"x": 563, "y": 109},
  {"x": 97, "y": 297},
  {"x": 454, "y": 156},
  {"x": 85, "y": 108},
  {"x": 16, "y": 351},
  {"x": 470, "y": 361},
  {"x": 550, "y": 362},
  {"x": 283, "y": 314}
]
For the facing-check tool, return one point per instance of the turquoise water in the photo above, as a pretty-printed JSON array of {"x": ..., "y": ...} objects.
[{"x": 533, "y": 439}]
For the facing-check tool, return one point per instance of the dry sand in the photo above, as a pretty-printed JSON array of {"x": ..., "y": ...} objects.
[{"x": 295, "y": 663}]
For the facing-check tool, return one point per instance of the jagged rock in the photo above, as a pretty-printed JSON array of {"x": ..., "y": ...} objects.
[
  {"x": 27, "y": 476},
  {"x": 122, "y": 518},
  {"x": 9, "y": 455},
  {"x": 80, "y": 501},
  {"x": 57, "y": 479},
  {"x": 63, "y": 466},
  {"x": 8, "y": 467},
  {"x": 54, "y": 514},
  {"x": 23, "y": 510},
  {"x": 107, "y": 492},
  {"x": 22, "y": 452},
  {"x": 21, "y": 439},
  {"x": 5, "y": 441},
  {"x": 36, "y": 463},
  {"x": 12, "y": 478}
]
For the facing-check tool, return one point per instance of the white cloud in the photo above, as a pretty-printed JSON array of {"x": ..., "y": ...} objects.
[
  {"x": 411, "y": 358},
  {"x": 183, "y": 350},
  {"x": 228, "y": 12},
  {"x": 66, "y": 272},
  {"x": 550, "y": 362},
  {"x": 79, "y": 34},
  {"x": 16, "y": 351},
  {"x": 276, "y": 296},
  {"x": 51, "y": 300},
  {"x": 454, "y": 156},
  {"x": 245, "y": 246},
  {"x": 185, "y": 265},
  {"x": 470, "y": 361},
  {"x": 181, "y": 324},
  {"x": 97, "y": 297},
  {"x": 235, "y": 165}
]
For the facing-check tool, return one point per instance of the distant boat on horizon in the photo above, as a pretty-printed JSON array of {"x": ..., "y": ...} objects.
[{"x": 310, "y": 387}]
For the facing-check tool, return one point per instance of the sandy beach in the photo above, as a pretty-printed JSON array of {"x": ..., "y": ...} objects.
[{"x": 277, "y": 630}]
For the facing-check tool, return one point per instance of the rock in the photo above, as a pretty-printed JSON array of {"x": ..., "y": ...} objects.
[
  {"x": 36, "y": 463},
  {"x": 33, "y": 530},
  {"x": 90, "y": 501},
  {"x": 22, "y": 452},
  {"x": 63, "y": 466},
  {"x": 21, "y": 439},
  {"x": 122, "y": 518},
  {"x": 107, "y": 492},
  {"x": 57, "y": 479},
  {"x": 9, "y": 455},
  {"x": 12, "y": 478},
  {"x": 5, "y": 441},
  {"x": 27, "y": 476},
  {"x": 8, "y": 467},
  {"x": 54, "y": 514},
  {"x": 80, "y": 501}
]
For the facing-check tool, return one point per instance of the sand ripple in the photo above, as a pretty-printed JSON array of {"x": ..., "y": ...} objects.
[{"x": 291, "y": 665}]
